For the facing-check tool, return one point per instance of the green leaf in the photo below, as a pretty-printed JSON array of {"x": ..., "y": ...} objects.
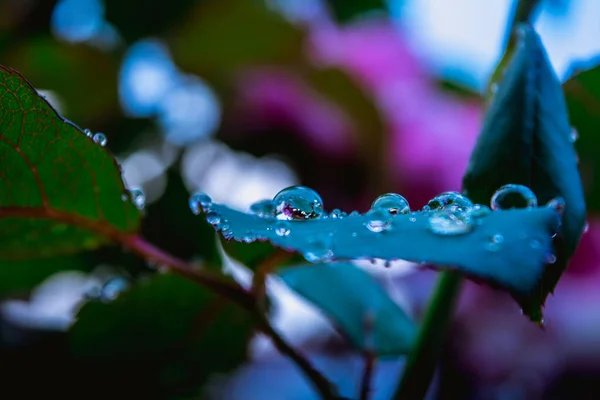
[
  {"x": 347, "y": 10},
  {"x": 173, "y": 333},
  {"x": 582, "y": 91},
  {"x": 59, "y": 191},
  {"x": 516, "y": 264},
  {"x": 359, "y": 306},
  {"x": 525, "y": 140}
]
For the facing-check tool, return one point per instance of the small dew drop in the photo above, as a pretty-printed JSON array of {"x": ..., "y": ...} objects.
[
  {"x": 124, "y": 197},
  {"x": 378, "y": 220},
  {"x": 513, "y": 196},
  {"x": 318, "y": 250},
  {"x": 412, "y": 219},
  {"x": 298, "y": 202},
  {"x": 494, "y": 243},
  {"x": 88, "y": 133},
  {"x": 282, "y": 228},
  {"x": 249, "y": 236},
  {"x": 113, "y": 288},
  {"x": 200, "y": 202},
  {"x": 100, "y": 139},
  {"x": 214, "y": 218},
  {"x": 393, "y": 203},
  {"x": 550, "y": 258},
  {"x": 573, "y": 135},
  {"x": 337, "y": 214},
  {"x": 138, "y": 198},
  {"x": 586, "y": 228},
  {"x": 542, "y": 323},
  {"x": 354, "y": 234},
  {"x": 354, "y": 213},
  {"x": 557, "y": 204},
  {"x": 263, "y": 208}
]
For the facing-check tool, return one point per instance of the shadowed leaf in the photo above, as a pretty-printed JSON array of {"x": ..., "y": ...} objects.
[
  {"x": 357, "y": 304},
  {"x": 526, "y": 140},
  {"x": 60, "y": 192},
  {"x": 170, "y": 329}
]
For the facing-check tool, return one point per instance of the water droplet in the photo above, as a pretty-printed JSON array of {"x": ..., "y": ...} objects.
[
  {"x": 298, "y": 202},
  {"x": 318, "y": 250},
  {"x": 495, "y": 242},
  {"x": 450, "y": 220},
  {"x": 282, "y": 228},
  {"x": 263, "y": 208},
  {"x": 337, "y": 214},
  {"x": 354, "y": 213},
  {"x": 249, "y": 236},
  {"x": 558, "y": 204},
  {"x": 100, "y": 138},
  {"x": 392, "y": 203},
  {"x": 550, "y": 258},
  {"x": 354, "y": 234},
  {"x": 199, "y": 201},
  {"x": 378, "y": 220},
  {"x": 124, "y": 197},
  {"x": 586, "y": 228},
  {"x": 513, "y": 196},
  {"x": 113, "y": 288},
  {"x": 543, "y": 323},
  {"x": 88, "y": 133},
  {"x": 214, "y": 218},
  {"x": 573, "y": 135},
  {"x": 138, "y": 198},
  {"x": 446, "y": 199}
]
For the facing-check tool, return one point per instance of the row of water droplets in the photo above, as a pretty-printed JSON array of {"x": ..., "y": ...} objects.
[
  {"x": 449, "y": 213},
  {"x": 98, "y": 138}
]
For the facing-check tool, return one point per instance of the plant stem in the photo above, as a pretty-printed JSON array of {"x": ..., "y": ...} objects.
[
  {"x": 323, "y": 386},
  {"x": 232, "y": 291},
  {"x": 421, "y": 362},
  {"x": 365, "y": 386}
]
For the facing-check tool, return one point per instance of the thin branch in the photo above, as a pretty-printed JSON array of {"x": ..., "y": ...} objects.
[
  {"x": 238, "y": 295},
  {"x": 367, "y": 378},
  {"x": 323, "y": 386}
]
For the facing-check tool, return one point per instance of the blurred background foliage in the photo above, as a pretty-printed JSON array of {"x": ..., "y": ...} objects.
[{"x": 240, "y": 98}]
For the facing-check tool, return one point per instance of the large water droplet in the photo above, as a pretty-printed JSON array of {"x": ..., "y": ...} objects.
[
  {"x": 298, "y": 202},
  {"x": 138, "y": 198},
  {"x": 450, "y": 220},
  {"x": 558, "y": 204},
  {"x": 318, "y": 250},
  {"x": 393, "y": 203},
  {"x": 113, "y": 288},
  {"x": 378, "y": 220},
  {"x": 263, "y": 208},
  {"x": 200, "y": 202},
  {"x": 282, "y": 228},
  {"x": 573, "y": 135},
  {"x": 100, "y": 138},
  {"x": 513, "y": 196},
  {"x": 494, "y": 242},
  {"x": 446, "y": 199}
]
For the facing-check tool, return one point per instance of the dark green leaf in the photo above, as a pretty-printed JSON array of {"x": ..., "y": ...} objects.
[
  {"x": 526, "y": 140},
  {"x": 347, "y": 10},
  {"x": 174, "y": 331},
  {"x": 515, "y": 265},
  {"x": 59, "y": 191},
  {"x": 357, "y": 304},
  {"x": 582, "y": 91}
]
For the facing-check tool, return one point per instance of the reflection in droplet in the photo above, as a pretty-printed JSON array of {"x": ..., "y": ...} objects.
[
  {"x": 100, "y": 139},
  {"x": 393, "y": 203},
  {"x": 378, "y": 220},
  {"x": 138, "y": 198},
  {"x": 451, "y": 220},
  {"x": 214, "y": 218},
  {"x": 513, "y": 196},
  {"x": 448, "y": 199},
  {"x": 298, "y": 202}
]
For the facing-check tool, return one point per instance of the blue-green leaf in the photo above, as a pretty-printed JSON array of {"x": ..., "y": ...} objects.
[
  {"x": 526, "y": 140},
  {"x": 357, "y": 304},
  {"x": 516, "y": 263}
]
